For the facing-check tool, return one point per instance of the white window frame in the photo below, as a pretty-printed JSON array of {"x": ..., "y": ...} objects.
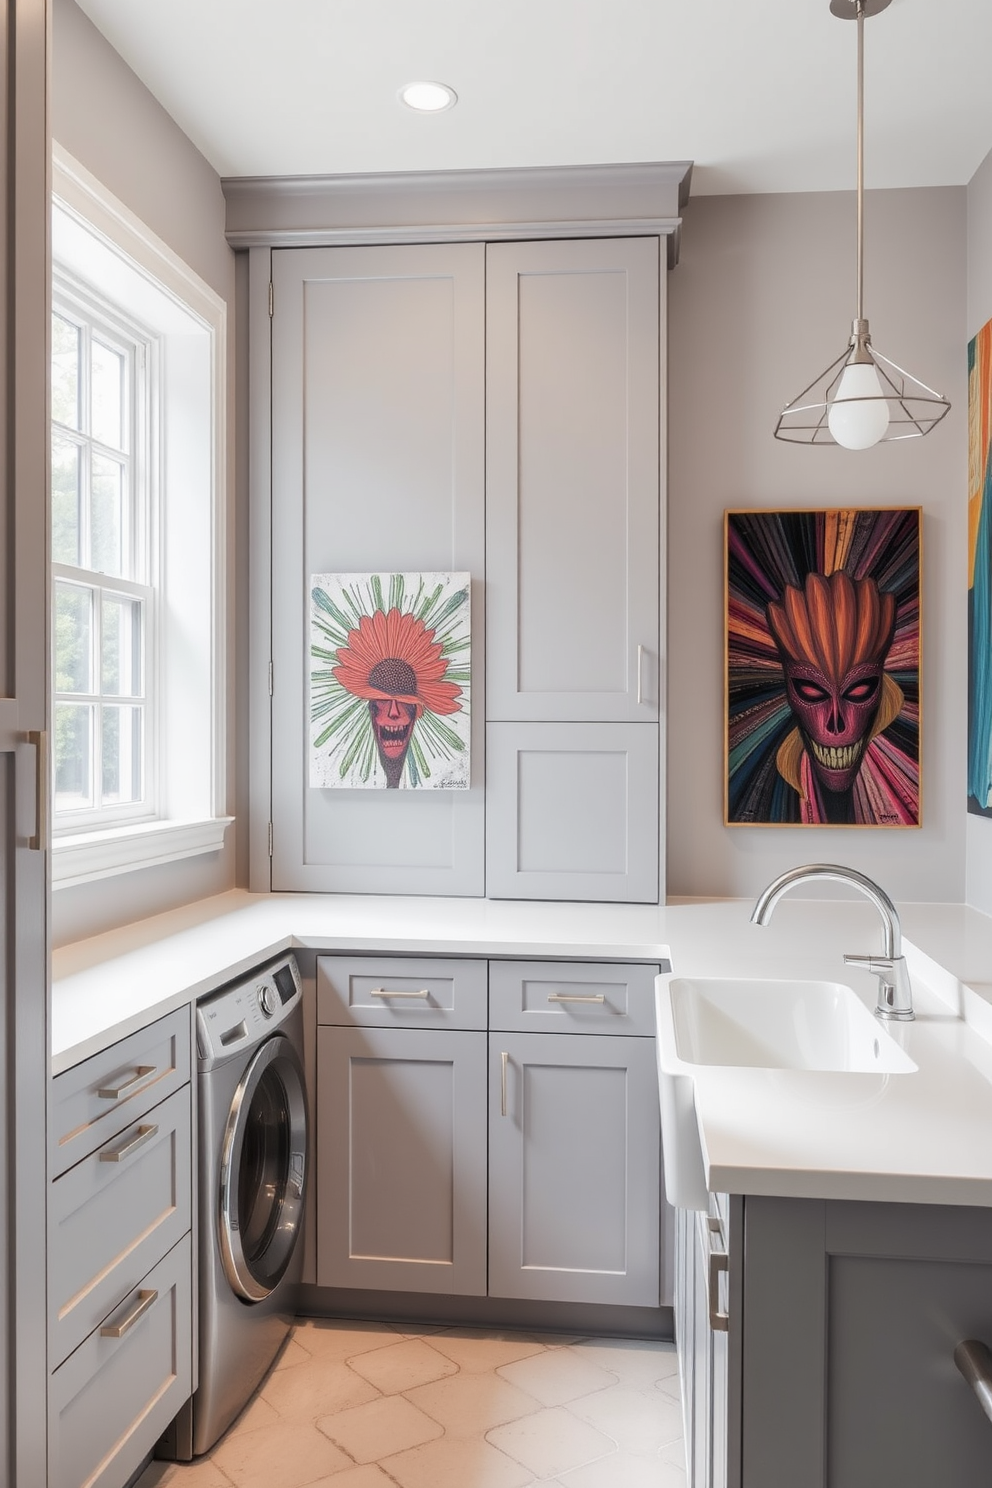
[
  {"x": 104, "y": 322},
  {"x": 97, "y": 241}
]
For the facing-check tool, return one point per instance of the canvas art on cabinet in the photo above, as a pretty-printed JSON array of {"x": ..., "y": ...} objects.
[
  {"x": 823, "y": 668},
  {"x": 980, "y": 573},
  {"x": 390, "y": 658}
]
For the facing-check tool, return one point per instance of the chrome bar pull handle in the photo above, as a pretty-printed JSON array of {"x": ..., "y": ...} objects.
[
  {"x": 975, "y": 1362},
  {"x": 42, "y": 789},
  {"x": 129, "y": 1086},
  {"x": 117, "y": 1330},
  {"x": 386, "y": 992},
  {"x": 640, "y": 674},
  {"x": 119, "y": 1154},
  {"x": 594, "y": 997},
  {"x": 504, "y": 1060}
]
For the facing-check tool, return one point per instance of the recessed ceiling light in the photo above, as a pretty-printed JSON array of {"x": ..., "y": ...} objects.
[{"x": 428, "y": 98}]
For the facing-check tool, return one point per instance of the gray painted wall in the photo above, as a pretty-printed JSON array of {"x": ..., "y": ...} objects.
[
  {"x": 978, "y": 829},
  {"x": 761, "y": 301},
  {"x": 107, "y": 119}
]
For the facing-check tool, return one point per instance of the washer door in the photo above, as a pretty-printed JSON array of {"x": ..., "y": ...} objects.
[{"x": 263, "y": 1169}]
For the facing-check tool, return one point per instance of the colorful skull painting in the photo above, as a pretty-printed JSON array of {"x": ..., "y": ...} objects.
[{"x": 823, "y": 668}]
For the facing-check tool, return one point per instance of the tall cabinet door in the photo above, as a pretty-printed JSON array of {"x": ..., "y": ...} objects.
[
  {"x": 377, "y": 467},
  {"x": 573, "y": 369},
  {"x": 574, "y": 1196}
]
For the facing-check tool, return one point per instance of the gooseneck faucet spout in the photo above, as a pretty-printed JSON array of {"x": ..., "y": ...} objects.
[{"x": 895, "y": 994}]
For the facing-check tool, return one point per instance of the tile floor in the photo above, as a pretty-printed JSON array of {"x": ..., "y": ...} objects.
[{"x": 375, "y": 1405}]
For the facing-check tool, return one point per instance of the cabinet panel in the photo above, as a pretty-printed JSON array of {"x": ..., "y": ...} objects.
[
  {"x": 111, "y": 1399},
  {"x": 389, "y": 992},
  {"x": 401, "y": 1138},
  {"x": 573, "y": 1168},
  {"x": 103, "y": 1095},
  {"x": 572, "y": 389},
  {"x": 572, "y": 811},
  {"x": 378, "y": 466},
  {"x": 114, "y": 1215},
  {"x": 571, "y": 997}
]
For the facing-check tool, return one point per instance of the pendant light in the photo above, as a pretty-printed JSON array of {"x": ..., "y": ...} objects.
[{"x": 862, "y": 397}]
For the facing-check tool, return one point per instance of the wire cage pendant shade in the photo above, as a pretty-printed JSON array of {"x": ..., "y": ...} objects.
[{"x": 861, "y": 398}]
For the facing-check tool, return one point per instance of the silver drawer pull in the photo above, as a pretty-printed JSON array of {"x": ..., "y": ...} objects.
[
  {"x": 129, "y": 1086},
  {"x": 118, "y": 1154},
  {"x": 117, "y": 1330},
  {"x": 504, "y": 1060},
  {"x": 975, "y": 1362},
  {"x": 385, "y": 992},
  {"x": 594, "y": 997},
  {"x": 719, "y": 1262}
]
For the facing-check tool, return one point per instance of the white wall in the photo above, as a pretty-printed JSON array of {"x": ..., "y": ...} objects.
[
  {"x": 761, "y": 301},
  {"x": 108, "y": 121},
  {"x": 978, "y": 829}
]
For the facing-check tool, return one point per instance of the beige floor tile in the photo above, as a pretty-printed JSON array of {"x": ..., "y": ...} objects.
[
  {"x": 257, "y": 1414},
  {"x": 635, "y": 1361},
  {"x": 557, "y": 1376},
  {"x": 552, "y": 1442},
  {"x": 201, "y": 1474},
  {"x": 366, "y": 1476},
  {"x": 674, "y": 1453},
  {"x": 470, "y": 1404},
  {"x": 449, "y": 1463},
  {"x": 293, "y": 1353},
  {"x": 638, "y": 1422},
  {"x": 671, "y": 1385},
  {"x": 325, "y": 1338},
  {"x": 621, "y": 1471},
  {"x": 402, "y": 1366},
  {"x": 476, "y": 1352},
  {"x": 288, "y": 1453},
  {"x": 317, "y": 1388},
  {"x": 386, "y": 1426}
]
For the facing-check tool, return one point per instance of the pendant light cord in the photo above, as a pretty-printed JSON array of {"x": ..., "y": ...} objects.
[{"x": 861, "y": 159}]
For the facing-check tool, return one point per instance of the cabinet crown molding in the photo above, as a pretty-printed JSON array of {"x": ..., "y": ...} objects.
[{"x": 460, "y": 206}]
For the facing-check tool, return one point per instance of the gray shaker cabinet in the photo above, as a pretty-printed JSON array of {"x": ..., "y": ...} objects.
[
  {"x": 840, "y": 1371},
  {"x": 573, "y": 1168}
]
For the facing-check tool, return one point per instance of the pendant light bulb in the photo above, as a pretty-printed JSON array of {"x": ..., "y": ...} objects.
[{"x": 858, "y": 415}]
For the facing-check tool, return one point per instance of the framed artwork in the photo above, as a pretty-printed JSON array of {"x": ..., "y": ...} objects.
[
  {"x": 390, "y": 673},
  {"x": 823, "y": 668},
  {"x": 980, "y": 573}
]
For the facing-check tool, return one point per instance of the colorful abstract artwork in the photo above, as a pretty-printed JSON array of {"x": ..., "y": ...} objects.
[
  {"x": 980, "y": 573},
  {"x": 823, "y": 668},
  {"x": 390, "y": 675}
]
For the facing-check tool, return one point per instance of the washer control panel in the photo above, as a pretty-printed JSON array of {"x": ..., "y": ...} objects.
[{"x": 247, "y": 1011}]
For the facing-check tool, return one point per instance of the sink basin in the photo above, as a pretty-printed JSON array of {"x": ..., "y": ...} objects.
[
  {"x": 708, "y": 1024},
  {"x": 780, "y": 1025}
]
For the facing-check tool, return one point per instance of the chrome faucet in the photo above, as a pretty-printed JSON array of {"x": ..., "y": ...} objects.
[{"x": 895, "y": 994}]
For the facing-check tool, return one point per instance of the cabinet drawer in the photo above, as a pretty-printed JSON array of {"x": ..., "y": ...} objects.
[
  {"x": 107, "y": 1093},
  {"x": 112, "y": 1399},
  {"x": 113, "y": 1216},
  {"x": 401, "y": 992},
  {"x": 571, "y": 997}
]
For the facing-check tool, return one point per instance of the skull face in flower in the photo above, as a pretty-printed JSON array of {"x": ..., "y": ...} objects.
[
  {"x": 393, "y": 660},
  {"x": 833, "y": 637}
]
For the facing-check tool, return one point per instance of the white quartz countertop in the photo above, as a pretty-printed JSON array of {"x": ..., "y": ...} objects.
[{"x": 924, "y": 1137}]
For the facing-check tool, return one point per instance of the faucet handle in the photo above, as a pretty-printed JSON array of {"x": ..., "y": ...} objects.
[{"x": 895, "y": 992}]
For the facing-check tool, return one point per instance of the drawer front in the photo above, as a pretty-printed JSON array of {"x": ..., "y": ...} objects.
[
  {"x": 107, "y": 1093},
  {"x": 115, "y": 1215},
  {"x": 571, "y": 997},
  {"x": 401, "y": 992},
  {"x": 111, "y": 1400}
]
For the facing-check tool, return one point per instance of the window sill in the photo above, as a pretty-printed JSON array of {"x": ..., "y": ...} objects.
[{"x": 87, "y": 856}]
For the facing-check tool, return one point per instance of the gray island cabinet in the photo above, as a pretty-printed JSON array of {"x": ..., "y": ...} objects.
[{"x": 826, "y": 1357}]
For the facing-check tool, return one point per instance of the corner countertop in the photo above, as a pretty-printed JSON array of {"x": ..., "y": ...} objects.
[{"x": 923, "y": 1138}]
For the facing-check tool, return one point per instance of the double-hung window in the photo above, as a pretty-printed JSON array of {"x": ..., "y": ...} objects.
[{"x": 104, "y": 621}]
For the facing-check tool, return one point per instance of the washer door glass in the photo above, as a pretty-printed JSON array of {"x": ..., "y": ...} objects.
[{"x": 263, "y": 1169}]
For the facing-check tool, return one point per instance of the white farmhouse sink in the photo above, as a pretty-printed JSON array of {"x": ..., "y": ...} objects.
[
  {"x": 708, "y": 1024},
  {"x": 780, "y": 1025}
]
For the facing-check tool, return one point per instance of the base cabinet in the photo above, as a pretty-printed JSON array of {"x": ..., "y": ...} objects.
[
  {"x": 417, "y": 1104},
  {"x": 844, "y": 1318}
]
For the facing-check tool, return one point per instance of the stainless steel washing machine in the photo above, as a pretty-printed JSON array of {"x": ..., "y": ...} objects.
[{"x": 252, "y": 1187}]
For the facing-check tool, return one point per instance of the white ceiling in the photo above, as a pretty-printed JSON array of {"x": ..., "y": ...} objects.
[{"x": 759, "y": 93}]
